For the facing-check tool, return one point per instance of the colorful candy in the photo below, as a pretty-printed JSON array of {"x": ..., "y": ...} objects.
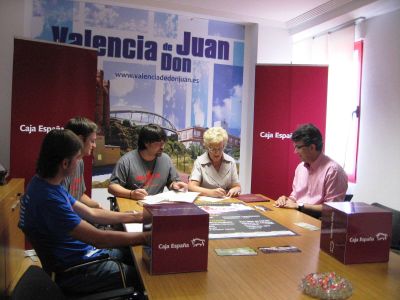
[{"x": 326, "y": 286}]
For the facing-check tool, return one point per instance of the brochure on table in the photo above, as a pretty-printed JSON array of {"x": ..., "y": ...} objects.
[
  {"x": 170, "y": 196},
  {"x": 237, "y": 220}
]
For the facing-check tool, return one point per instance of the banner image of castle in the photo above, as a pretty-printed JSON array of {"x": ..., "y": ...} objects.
[{"x": 183, "y": 73}]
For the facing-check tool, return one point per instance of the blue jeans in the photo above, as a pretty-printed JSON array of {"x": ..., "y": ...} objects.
[{"x": 101, "y": 277}]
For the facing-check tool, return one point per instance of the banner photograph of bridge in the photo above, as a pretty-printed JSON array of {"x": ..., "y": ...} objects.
[{"x": 181, "y": 72}]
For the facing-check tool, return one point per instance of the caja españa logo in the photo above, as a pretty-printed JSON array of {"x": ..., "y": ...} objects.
[
  {"x": 195, "y": 242},
  {"x": 380, "y": 236},
  {"x": 275, "y": 135}
]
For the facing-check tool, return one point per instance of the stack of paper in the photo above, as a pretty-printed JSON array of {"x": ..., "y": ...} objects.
[
  {"x": 133, "y": 227},
  {"x": 307, "y": 226},
  {"x": 235, "y": 251},
  {"x": 170, "y": 196},
  {"x": 211, "y": 199}
]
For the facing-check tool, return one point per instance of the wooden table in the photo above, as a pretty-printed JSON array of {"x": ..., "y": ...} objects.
[
  {"x": 12, "y": 240},
  {"x": 269, "y": 276}
]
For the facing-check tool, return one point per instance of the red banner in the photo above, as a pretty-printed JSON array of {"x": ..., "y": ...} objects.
[
  {"x": 285, "y": 97},
  {"x": 51, "y": 84}
]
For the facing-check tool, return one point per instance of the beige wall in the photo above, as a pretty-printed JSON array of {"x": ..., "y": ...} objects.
[
  {"x": 11, "y": 24},
  {"x": 379, "y": 146}
]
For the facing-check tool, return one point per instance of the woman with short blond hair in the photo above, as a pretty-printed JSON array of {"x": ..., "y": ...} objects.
[{"x": 214, "y": 173}]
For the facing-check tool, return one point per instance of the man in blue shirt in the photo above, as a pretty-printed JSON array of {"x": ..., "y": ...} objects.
[{"x": 55, "y": 222}]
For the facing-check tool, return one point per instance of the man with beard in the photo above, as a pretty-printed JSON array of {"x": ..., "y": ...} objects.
[{"x": 146, "y": 170}]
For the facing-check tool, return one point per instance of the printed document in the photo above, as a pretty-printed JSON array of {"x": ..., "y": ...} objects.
[
  {"x": 170, "y": 196},
  {"x": 133, "y": 227}
]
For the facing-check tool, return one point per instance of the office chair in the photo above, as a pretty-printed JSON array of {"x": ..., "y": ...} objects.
[
  {"x": 395, "y": 225},
  {"x": 48, "y": 261},
  {"x": 348, "y": 197},
  {"x": 113, "y": 203},
  {"x": 36, "y": 284},
  {"x": 114, "y": 207}
]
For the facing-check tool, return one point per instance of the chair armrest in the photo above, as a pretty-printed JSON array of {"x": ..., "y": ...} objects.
[
  {"x": 112, "y": 294},
  {"x": 92, "y": 260},
  {"x": 113, "y": 203},
  {"x": 97, "y": 260}
]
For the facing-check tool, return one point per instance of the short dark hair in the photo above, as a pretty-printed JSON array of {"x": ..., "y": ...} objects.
[
  {"x": 149, "y": 134},
  {"x": 308, "y": 134},
  {"x": 58, "y": 144},
  {"x": 81, "y": 126}
]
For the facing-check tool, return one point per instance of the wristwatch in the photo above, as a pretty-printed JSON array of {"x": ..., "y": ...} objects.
[{"x": 300, "y": 206}]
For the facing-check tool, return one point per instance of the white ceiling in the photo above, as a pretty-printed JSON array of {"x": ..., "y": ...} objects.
[
  {"x": 254, "y": 11},
  {"x": 293, "y": 15}
]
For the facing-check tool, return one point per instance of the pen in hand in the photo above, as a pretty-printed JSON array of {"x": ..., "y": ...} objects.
[
  {"x": 220, "y": 192},
  {"x": 136, "y": 186},
  {"x": 140, "y": 191}
]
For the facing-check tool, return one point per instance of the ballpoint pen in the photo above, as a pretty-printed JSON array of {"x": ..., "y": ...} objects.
[
  {"x": 137, "y": 186},
  {"x": 260, "y": 207}
]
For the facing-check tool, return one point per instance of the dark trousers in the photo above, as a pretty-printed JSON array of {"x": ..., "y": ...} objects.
[{"x": 101, "y": 277}]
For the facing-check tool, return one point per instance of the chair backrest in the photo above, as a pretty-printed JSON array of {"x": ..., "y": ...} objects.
[
  {"x": 348, "y": 197},
  {"x": 113, "y": 203},
  {"x": 36, "y": 284},
  {"x": 47, "y": 259},
  {"x": 395, "y": 225}
]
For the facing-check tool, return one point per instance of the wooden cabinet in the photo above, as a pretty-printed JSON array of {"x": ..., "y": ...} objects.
[
  {"x": 2, "y": 260},
  {"x": 11, "y": 237}
]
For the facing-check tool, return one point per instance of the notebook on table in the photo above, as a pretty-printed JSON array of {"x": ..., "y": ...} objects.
[{"x": 251, "y": 198}]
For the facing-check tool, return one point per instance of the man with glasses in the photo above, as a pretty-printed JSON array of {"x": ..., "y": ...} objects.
[
  {"x": 317, "y": 178},
  {"x": 214, "y": 173},
  {"x": 146, "y": 170}
]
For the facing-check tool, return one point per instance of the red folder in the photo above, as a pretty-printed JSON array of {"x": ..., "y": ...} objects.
[{"x": 252, "y": 198}]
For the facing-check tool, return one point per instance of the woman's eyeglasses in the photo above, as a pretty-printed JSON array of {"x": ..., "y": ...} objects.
[{"x": 215, "y": 150}]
